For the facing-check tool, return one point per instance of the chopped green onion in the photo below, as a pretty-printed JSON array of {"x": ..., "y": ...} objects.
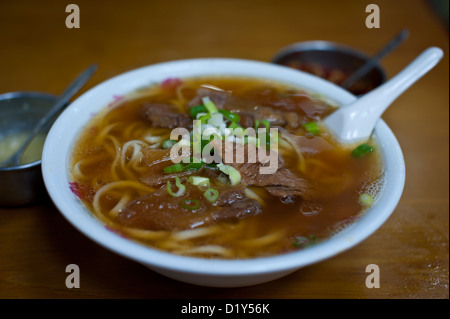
[
  {"x": 266, "y": 124},
  {"x": 176, "y": 168},
  {"x": 216, "y": 120},
  {"x": 211, "y": 194},
  {"x": 234, "y": 125},
  {"x": 210, "y": 106},
  {"x": 168, "y": 143},
  {"x": 256, "y": 125},
  {"x": 202, "y": 183},
  {"x": 197, "y": 180},
  {"x": 181, "y": 188},
  {"x": 233, "y": 174},
  {"x": 232, "y": 117},
  {"x": 205, "y": 118},
  {"x": 312, "y": 128},
  {"x": 194, "y": 166},
  {"x": 362, "y": 150},
  {"x": 366, "y": 200},
  {"x": 196, "y": 110},
  {"x": 267, "y": 141},
  {"x": 190, "y": 204},
  {"x": 203, "y": 186}
]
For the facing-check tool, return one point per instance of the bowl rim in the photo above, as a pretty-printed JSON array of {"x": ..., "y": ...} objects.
[
  {"x": 56, "y": 176},
  {"x": 18, "y": 94}
]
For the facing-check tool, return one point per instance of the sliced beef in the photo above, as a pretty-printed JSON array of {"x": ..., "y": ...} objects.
[
  {"x": 230, "y": 195},
  {"x": 155, "y": 161},
  {"x": 238, "y": 210},
  {"x": 234, "y": 204},
  {"x": 281, "y": 183},
  {"x": 311, "y": 144},
  {"x": 292, "y": 120},
  {"x": 161, "y": 211},
  {"x": 159, "y": 179},
  {"x": 165, "y": 116},
  {"x": 249, "y": 116},
  {"x": 247, "y": 119},
  {"x": 267, "y": 106},
  {"x": 217, "y": 96},
  {"x": 291, "y": 101}
]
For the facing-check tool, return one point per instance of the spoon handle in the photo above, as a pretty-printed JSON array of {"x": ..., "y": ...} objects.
[
  {"x": 71, "y": 90},
  {"x": 396, "y": 41},
  {"x": 62, "y": 100},
  {"x": 356, "y": 121},
  {"x": 408, "y": 76}
]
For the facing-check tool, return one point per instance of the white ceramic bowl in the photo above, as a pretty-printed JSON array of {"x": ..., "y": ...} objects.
[{"x": 219, "y": 273}]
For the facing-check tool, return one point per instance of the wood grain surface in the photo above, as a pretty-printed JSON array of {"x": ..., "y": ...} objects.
[{"x": 38, "y": 53}]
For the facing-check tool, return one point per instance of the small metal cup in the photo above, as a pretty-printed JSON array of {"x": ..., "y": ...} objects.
[{"x": 19, "y": 112}]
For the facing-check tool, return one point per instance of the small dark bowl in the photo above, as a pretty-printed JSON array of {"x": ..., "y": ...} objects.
[
  {"x": 331, "y": 61},
  {"x": 19, "y": 111}
]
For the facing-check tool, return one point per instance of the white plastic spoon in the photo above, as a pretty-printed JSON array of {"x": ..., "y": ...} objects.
[{"x": 355, "y": 122}]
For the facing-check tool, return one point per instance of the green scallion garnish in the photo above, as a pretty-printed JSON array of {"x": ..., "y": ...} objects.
[
  {"x": 266, "y": 124},
  {"x": 232, "y": 117},
  {"x": 181, "y": 188},
  {"x": 312, "y": 128},
  {"x": 362, "y": 150},
  {"x": 234, "y": 125},
  {"x": 190, "y": 203},
  {"x": 196, "y": 110},
  {"x": 267, "y": 141},
  {"x": 198, "y": 180},
  {"x": 193, "y": 166},
  {"x": 233, "y": 174},
  {"x": 211, "y": 194},
  {"x": 366, "y": 200},
  {"x": 210, "y": 106},
  {"x": 205, "y": 118},
  {"x": 176, "y": 168}
]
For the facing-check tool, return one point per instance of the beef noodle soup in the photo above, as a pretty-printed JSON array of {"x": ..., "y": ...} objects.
[{"x": 182, "y": 193}]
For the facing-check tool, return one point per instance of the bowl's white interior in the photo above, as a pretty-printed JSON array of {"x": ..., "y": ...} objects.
[{"x": 58, "y": 147}]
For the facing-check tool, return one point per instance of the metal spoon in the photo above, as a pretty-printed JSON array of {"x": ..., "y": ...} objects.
[
  {"x": 355, "y": 122},
  {"x": 369, "y": 65},
  {"x": 73, "y": 88}
]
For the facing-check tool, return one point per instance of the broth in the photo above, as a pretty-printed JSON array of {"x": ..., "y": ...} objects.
[
  {"x": 11, "y": 143},
  {"x": 119, "y": 157}
]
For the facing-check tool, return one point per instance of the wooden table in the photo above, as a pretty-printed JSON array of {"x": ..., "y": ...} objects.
[{"x": 38, "y": 53}]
